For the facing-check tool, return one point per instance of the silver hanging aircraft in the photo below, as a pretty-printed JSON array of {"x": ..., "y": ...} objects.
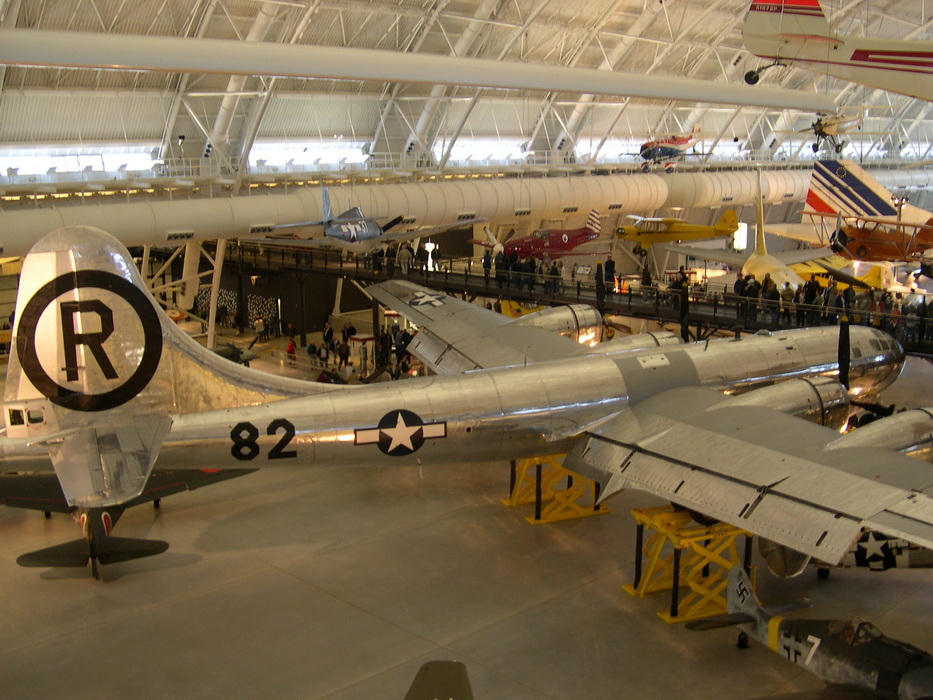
[
  {"x": 353, "y": 232},
  {"x": 102, "y": 390}
]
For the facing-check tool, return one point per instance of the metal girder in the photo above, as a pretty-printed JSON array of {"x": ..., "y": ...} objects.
[{"x": 76, "y": 49}]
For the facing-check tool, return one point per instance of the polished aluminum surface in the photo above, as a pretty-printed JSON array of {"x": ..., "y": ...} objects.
[
  {"x": 908, "y": 432},
  {"x": 638, "y": 417}
]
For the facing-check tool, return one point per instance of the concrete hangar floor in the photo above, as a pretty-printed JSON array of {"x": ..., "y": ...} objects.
[{"x": 339, "y": 583}]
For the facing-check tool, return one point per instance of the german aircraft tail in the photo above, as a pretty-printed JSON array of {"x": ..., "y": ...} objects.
[{"x": 743, "y": 606}]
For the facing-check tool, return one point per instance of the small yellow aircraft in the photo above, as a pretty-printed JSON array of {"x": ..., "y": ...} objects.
[{"x": 647, "y": 231}]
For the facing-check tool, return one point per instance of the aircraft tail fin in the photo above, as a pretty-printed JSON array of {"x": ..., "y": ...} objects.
[
  {"x": 741, "y": 596},
  {"x": 593, "y": 222},
  {"x": 326, "y": 216},
  {"x": 728, "y": 222},
  {"x": 99, "y": 369},
  {"x": 441, "y": 679},
  {"x": 843, "y": 187},
  {"x": 770, "y": 23},
  {"x": 879, "y": 276},
  {"x": 742, "y": 604}
]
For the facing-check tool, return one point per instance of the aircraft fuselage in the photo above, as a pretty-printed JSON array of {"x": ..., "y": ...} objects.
[{"x": 498, "y": 414}]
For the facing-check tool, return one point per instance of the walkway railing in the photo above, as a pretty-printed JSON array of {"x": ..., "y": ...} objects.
[{"x": 708, "y": 307}]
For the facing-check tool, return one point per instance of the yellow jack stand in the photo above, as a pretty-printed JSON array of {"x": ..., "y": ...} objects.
[
  {"x": 704, "y": 566},
  {"x": 534, "y": 480}
]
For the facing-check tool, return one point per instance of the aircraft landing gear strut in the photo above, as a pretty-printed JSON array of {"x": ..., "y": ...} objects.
[{"x": 753, "y": 76}]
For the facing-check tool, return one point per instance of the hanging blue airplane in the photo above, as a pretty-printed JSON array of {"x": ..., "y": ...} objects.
[{"x": 353, "y": 232}]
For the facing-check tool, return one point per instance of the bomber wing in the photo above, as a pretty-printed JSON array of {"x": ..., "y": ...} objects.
[
  {"x": 761, "y": 470},
  {"x": 456, "y": 336}
]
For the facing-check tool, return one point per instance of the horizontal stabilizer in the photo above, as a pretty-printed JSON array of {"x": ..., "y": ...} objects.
[
  {"x": 76, "y": 553},
  {"x": 718, "y": 622},
  {"x": 111, "y": 550}
]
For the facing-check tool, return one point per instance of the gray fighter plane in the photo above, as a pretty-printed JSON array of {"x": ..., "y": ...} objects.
[
  {"x": 850, "y": 652},
  {"x": 102, "y": 389},
  {"x": 353, "y": 232}
]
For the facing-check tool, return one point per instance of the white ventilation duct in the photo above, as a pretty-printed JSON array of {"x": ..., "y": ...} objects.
[
  {"x": 162, "y": 223},
  {"x": 728, "y": 189}
]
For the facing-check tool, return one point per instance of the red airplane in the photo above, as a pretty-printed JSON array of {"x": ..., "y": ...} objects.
[{"x": 553, "y": 243}]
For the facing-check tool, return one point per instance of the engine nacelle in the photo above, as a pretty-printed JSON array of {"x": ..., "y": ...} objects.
[
  {"x": 908, "y": 432},
  {"x": 820, "y": 400},
  {"x": 641, "y": 341},
  {"x": 580, "y": 322},
  {"x": 782, "y": 561}
]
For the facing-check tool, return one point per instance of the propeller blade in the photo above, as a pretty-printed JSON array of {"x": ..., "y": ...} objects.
[
  {"x": 844, "y": 348},
  {"x": 875, "y": 409}
]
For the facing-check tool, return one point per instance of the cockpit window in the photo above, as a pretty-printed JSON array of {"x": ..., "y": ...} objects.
[
  {"x": 35, "y": 415},
  {"x": 16, "y": 417},
  {"x": 853, "y": 631},
  {"x": 865, "y": 633}
]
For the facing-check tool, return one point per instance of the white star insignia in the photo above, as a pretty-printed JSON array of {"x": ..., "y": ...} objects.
[
  {"x": 401, "y": 434},
  {"x": 873, "y": 546},
  {"x": 425, "y": 299}
]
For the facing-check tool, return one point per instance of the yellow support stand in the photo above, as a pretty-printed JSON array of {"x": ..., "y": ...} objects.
[
  {"x": 536, "y": 479},
  {"x": 700, "y": 560}
]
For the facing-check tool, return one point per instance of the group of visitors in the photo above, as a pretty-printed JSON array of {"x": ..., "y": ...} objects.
[
  {"x": 812, "y": 304},
  {"x": 514, "y": 272}
]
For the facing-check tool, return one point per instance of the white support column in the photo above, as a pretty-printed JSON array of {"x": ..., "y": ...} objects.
[
  {"x": 337, "y": 294},
  {"x": 215, "y": 289},
  {"x": 189, "y": 276}
]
